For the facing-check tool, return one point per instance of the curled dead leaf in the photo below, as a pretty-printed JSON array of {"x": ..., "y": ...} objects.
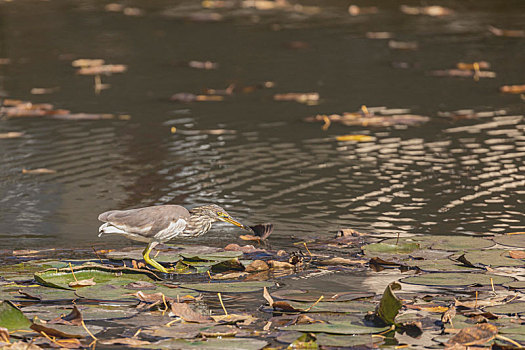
[
  {"x": 257, "y": 265},
  {"x": 476, "y": 335},
  {"x": 83, "y": 283}
]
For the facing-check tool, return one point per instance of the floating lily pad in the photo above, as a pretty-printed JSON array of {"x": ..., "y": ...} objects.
[
  {"x": 212, "y": 343},
  {"x": 455, "y": 279},
  {"x": 511, "y": 240},
  {"x": 492, "y": 257},
  {"x": 345, "y": 341},
  {"x": 314, "y": 295},
  {"x": 229, "y": 287},
  {"x": 12, "y": 317},
  {"x": 335, "y": 328},
  {"x": 509, "y": 309},
  {"x": 389, "y": 248},
  {"x": 515, "y": 284},
  {"x": 333, "y": 306},
  {"x": 439, "y": 265},
  {"x": 449, "y": 243},
  {"x": 118, "y": 292},
  {"x": 100, "y": 274}
]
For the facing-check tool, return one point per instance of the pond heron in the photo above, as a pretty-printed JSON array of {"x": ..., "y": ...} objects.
[{"x": 159, "y": 224}]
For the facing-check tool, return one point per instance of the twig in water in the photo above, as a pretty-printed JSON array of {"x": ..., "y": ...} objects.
[
  {"x": 311, "y": 306},
  {"x": 73, "y": 272},
  {"x": 87, "y": 330},
  {"x": 516, "y": 344},
  {"x": 222, "y": 304},
  {"x": 98, "y": 256},
  {"x": 306, "y": 247}
]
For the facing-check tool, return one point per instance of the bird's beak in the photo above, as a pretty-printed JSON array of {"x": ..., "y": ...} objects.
[{"x": 232, "y": 221}]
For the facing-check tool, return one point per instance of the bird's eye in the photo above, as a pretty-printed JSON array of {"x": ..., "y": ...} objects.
[{"x": 220, "y": 213}]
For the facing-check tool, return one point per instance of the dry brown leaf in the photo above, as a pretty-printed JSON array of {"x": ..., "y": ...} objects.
[
  {"x": 308, "y": 98},
  {"x": 434, "y": 11},
  {"x": 275, "y": 264},
  {"x": 103, "y": 69},
  {"x": 517, "y": 254},
  {"x": 477, "y": 335},
  {"x": 234, "y": 318},
  {"x": 449, "y": 314},
  {"x": 257, "y": 265},
  {"x": 74, "y": 318},
  {"x": 83, "y": 283},
  {"x": 472, "y": 66},
  {"x": 38, "y": 171},
  {"x": 11, "y": 135},
  {"x": 403, "y": 45},
  {"x": 513, "y": 89},
  {"x": 185, "y": 312},
  {"x": 125, "y": 341},
  {"x": 21, "y": 345},
  {"x": 87, "y": 62},
  {"x": 4, "y": 335},
  {"x": 355, "y": 10},
  {"x": 507, "y": 32},
  {"x": 342, "y": 261},
  {"x": 245, "y": 249}
]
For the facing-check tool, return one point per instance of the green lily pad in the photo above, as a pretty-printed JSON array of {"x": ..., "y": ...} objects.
[
  {"x": 229, "y": 287},
  {"x": 389, "y": 248},
  {"x": 101, "y": 274},
  {"x": 515, "y": 284},
  {"x": 211, "y": 343},
  {"x": 335, "y": 328},
  {"x": 12, "y": 317},
  {"x": 314, "y": 295},
  {"x": 345, "y": 341},
  {"x": 390, "y": 304},
  {"x": 509, "y": 309},
  {"x": 511, "y": 240},
  {"x": 439, "y": 265},
  {"x": 449, "y": 243},
  {"x": 492, "y": 257},
  {"x": 118, "y": 292},
  {"x": 216, "y": 256},
  {"x": 333, "y": 306},
  {"x": 455, "y": 279}
]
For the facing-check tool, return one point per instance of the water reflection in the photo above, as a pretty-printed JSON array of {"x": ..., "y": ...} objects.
[{"x": 447, "y": 176}]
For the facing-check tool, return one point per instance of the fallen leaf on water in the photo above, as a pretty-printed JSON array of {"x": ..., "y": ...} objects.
[
  {"x": 125, "y": 341},
  {"x": 207, "y": 65},
  {"x": 245, "y": 249},
  {"x": 402, "y": 45},
  {"x": 379, "y": 35},
  {"x": 358, "y": 138},
  {"x": 103, "y": 69},
  {"x": 87, "y": 62},
  {"x": 355, "y": 10},
  {"x": 275, "y": 264},
  {"x": 434, "y": 11},
  {"x": 342, "y": 261},
  {"x": 185, "y": 312},
  {"x": 463, "y": 73},
  {"x": 43, "y": 91},
  {"x": 517, "y": 254},
  {"x": 74, "y": 318},
  {"x": 257, "y": 265},
  {"x": 189, "y": 97},
  {"x": 11, "y": 135},
  {"x": 513, "y": 89},
  {"x": 472, "y": 66},
  {"x": 477, "y": 335},
  {"x": 38, "y": 171},
  {"x": 4, "y": 335},
  {"x": 507, "y": 32},
  {"x": 83, "y": 283},
  {"x": 234, "y": 318},
  {"x": 307, "y": 98}
]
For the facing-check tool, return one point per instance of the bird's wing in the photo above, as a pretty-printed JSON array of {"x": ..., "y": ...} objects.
[
  {"x": 144, "y": 221},
  {"x": 168, "y": 230}
]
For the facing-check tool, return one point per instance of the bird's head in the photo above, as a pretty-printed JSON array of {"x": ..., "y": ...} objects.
[{"x": 214, "y": 213}]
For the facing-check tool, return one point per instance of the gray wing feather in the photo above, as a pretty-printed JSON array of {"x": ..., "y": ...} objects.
[{"x": 145, "y": 221}]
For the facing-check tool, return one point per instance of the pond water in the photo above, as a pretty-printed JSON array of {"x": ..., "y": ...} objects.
[{"x": 446, "y": 176}]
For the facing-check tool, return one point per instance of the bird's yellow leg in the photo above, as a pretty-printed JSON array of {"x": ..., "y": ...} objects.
[{"x": 152, "y": 262}]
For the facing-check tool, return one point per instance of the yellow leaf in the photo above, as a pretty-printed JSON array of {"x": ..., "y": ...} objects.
[{"x": 359, "y": 138}]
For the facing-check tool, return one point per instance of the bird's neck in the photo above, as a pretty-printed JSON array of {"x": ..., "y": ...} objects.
[{"x": 197, "y": 225}]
